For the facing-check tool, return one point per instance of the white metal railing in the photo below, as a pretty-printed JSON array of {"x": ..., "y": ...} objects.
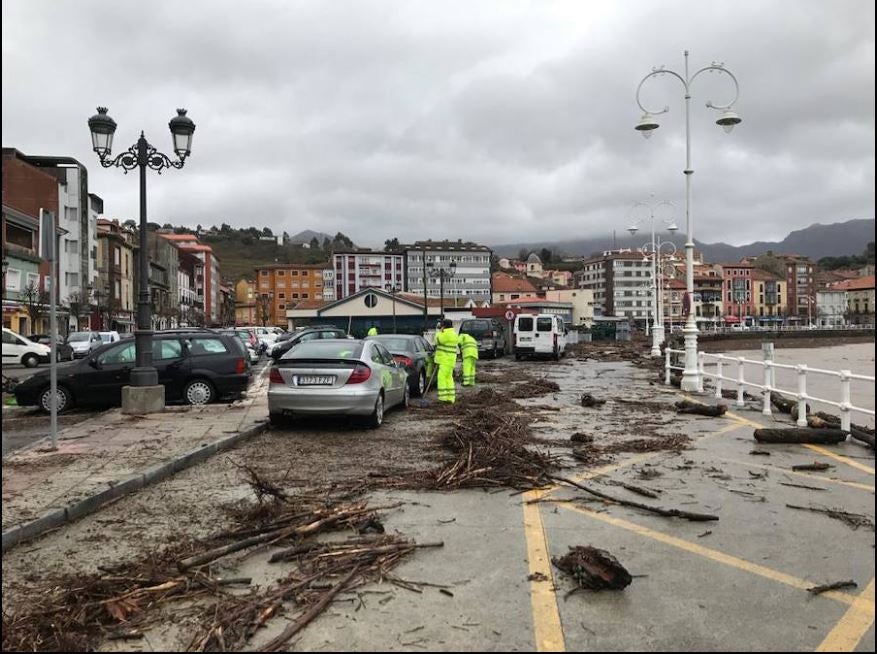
[
  {"x": 768, "y": 383},
  {"x": 706, "y": 328}
]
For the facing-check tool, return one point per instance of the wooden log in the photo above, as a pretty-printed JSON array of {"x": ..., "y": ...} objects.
[
  {"x": 669, "y": 513},
  {"x": 860, "y": 433},
  {"x": 701, "y": 409},
  {"x": 800, "y": 435},
  {"x": 589, "y": 400}
]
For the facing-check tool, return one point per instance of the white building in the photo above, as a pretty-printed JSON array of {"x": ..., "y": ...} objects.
[
  {"x": 471, "y": 277},
  {"x": 621, "y": 281},
  {"x": 360, "y": 269},
  {"x": 831, "y": 305},
  {"x": 329, "y": 292}
]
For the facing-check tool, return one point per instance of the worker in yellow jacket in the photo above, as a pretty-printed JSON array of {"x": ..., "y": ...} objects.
[
  {"x": 373, "y": 330},
  {"x": 469, "y": 352},
  {"x": 446, "y": 342}
]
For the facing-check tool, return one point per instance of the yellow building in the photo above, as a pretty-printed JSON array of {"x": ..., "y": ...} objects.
[
  {"x": 245, "y": 302},
  {"x": 770, "y": 296}
]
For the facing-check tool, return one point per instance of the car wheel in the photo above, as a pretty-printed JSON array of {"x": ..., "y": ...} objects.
[
  {"x": 30, "y": 361},
  {"x": 64, "y": 399},
  {"x": 517, "y": 357},
  {"x": 376, "y": 419},
  {"x": 199, "y": 391},
  {"x": 420, "y": 388}
]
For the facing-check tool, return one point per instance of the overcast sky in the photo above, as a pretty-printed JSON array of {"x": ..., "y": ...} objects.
[{"x": 496, "y": 121}]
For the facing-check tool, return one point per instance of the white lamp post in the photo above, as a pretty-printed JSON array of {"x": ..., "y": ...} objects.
[
  {"x": 657, "y": 318},
  {"x": 727, "y": 120}
]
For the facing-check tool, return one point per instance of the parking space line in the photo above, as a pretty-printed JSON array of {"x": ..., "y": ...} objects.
[
  {"x": 786, "y": 471},
  {"x": 547, "y": 629},
  {"x": 721, "y": 557},
  {"x": 854, "y": 624},
  {"x": 841, "y": 458}
]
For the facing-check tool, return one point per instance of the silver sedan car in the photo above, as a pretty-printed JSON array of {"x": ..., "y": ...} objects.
[{"x": 336, "y": 377}]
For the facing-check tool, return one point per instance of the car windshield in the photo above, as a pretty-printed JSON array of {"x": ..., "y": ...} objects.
[
  {"x": 106, "y": 338},
  {"x": 395, "y": 344},
  {"x": 475, "y": 326},
  {"x": 320, "y": 349},
  {"x": 78, "y": 337}
]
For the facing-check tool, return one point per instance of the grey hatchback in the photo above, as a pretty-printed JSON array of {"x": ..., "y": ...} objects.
[{"x": 337, "y": 377}]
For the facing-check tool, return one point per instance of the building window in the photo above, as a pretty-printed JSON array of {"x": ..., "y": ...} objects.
[
  {"x": 263, "y": 273},
  {"x": 281, "y": 273},
  {"x": 13, "y": 279},
  {"x": 281, "y": 296},
  {"x": 304, "y": 296},
  {"x": 371, "y": 300}
]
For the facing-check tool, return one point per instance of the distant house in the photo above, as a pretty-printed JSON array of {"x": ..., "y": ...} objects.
[
  {"x": 506, "y": 287},
  {"x": 860, "y": 299}
]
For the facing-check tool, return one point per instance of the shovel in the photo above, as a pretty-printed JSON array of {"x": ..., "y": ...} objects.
[{"x": 423, "y": 402}]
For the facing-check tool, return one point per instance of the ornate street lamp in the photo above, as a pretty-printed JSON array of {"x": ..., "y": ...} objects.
[
  {"x": 728, "y": 119},
  {"x": 443, "y": 275},
  {"x": 652, "y": 253},
  {"x": 142, "y": 155}
]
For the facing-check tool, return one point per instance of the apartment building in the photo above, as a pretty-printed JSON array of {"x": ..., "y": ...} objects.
[
  {"x": 621, "y": 281},
  {"x": 191, "y": 303},
  {"x": 356, "y": 270},
  {"x": 507, "y": 287},
  {"x": 860, "y": 300},
  {"x": 471, "y": 269},
  {"x": 113, "y": 292},
  {"x": 164, "y": 292},
  {"x": 770, "y": 297},
  {"x": 831, "y": 307},
  {"x": 801, "y": 286},
  {"x": 206, "y": 275},
  {"x": 282, "y": 286},
  {"x": 22, "y": 261}
]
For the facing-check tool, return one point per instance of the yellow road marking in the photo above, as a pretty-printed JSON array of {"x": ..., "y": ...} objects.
[
  {"x": 854, "y": 624},
  {"x": 841, "y": 458},
  {"x": 547, "y": 630},
  {"x": 786, "y": 471},
  {"x": 721, "y": 557}
]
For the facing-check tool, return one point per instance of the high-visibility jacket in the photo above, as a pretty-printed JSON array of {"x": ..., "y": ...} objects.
[
  {"x": 372, "y": 331},
  {"x": 446, "y": 347},
  {"x": 468, "y": 346}
]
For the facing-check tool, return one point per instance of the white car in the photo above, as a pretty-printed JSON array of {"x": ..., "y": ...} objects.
[
  {"x": 84, "y": 343},
  {"x": 18, "y": 349},
  {"x": 267, "y": 336},
  {"x": 109, "y": 337}
]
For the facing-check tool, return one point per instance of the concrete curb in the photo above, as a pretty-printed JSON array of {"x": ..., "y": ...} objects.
[{"x": 127, "y": 485}]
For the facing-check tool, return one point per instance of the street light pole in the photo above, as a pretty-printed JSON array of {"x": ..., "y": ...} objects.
[
  {"x": 392, "y": 289},
  {"x": 728, "y": 119},
  {"x": 142, "y": 155},
  {"x": 657, "y": 321}
]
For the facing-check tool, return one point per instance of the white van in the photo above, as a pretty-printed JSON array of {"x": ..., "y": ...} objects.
[
  {"x": 18, "y": 349},
  {"x": 542, "y": 334},
  {"x": 109, "y": 337}
]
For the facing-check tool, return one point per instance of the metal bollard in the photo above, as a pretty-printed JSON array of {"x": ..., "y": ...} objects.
[
  {"x": 667, "y": 367},
  {"x": 802, "y": 395},
  {"x": 845, "y": 400},
  {"x": 767, "y": 354},
  {"x": 740, "y": 382},
  {"x": 718, "y": 394},
  {"x": 765, "y": 409}
]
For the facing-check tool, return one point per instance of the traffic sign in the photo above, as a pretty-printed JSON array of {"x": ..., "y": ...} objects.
[{"x": 509, "y": 315}]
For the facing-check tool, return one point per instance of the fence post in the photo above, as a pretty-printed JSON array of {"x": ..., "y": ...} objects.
[
  {"x": 667, "y": 366},
  {"x": 802, "y": 395},
  {"x": 740, "y": 381},
  {"x": 765, "y": 409},
  {"x": 700, "y": 359},
  {"x": 767, "y": 355},
  {"x": 719, "y": 377},
  {"x": 845, "y": 400}
]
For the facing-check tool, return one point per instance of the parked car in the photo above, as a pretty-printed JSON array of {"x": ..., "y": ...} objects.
[
  {"x": 489, "y": 333},
  {"x": 410, "y": 352},
  {"x": 109, "y": 337},
  {"x": 303, "y": 336},
  {"x": 249, "y": 333},
  {"x": 267, "y": 336},
  {"x": 337, "y": 377},
  {"x": 243, "y": 337},
  {"x": 65, "y": 352},
  {"x": 539, "y": 335},
  {"x": 195, "y": 368},
  {"x": 84, "y": 343},
  {"x": 18, "y": 349}
]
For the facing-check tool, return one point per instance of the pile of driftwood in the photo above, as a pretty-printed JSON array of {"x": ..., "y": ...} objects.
[{"x": 78, "y": 613}]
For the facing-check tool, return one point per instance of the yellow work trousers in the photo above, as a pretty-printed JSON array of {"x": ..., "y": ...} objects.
[
  {"x": 446, "y": 390},
  {"x": 469, "y": 371}
]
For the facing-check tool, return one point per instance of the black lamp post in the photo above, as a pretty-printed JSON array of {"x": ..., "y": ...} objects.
[
  {"x": 142, "y": 155},
  {"x": 392, "y": 289},
  {"x": 443, "y": 274}
]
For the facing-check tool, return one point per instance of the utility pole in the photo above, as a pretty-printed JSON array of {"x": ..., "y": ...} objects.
[{"x": 425, "y": 300}]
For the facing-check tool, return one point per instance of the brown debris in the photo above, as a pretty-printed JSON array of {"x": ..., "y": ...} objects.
[
  {"x": 593, "y": 569},
  {"x": 589, "y": 400},
  {"x": 851, "y": 520},
  {"x": 581, "y": 437},
  {"x": 701, "y": 409},
  {"x": 800, "y": 435},
  {"x": 837, "y": 585},
  {"x": 815, "y": 466}
]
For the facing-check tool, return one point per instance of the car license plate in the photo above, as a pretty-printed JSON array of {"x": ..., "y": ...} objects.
[
  {"x": 525, "y": 339},
  {"x": 316, "y": 380}
]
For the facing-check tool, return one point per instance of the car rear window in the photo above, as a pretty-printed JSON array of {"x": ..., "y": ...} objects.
[
  {"x": 321, "y": 349},
  {"x": 204, "y": 346},
  {"x": 397, "y": 344},
  {"x": 475, "y": 326},
  {"x": 525, "y": 324},
  {"x": 543, "y": 324}
]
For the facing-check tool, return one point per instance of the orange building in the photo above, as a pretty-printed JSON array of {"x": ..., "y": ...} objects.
[{"x": 283, "y": 285}]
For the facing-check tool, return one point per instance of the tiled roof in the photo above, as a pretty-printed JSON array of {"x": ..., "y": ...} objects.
[
  {"x": 860, "y": 284},
  {"x": 503, "y": 283}
]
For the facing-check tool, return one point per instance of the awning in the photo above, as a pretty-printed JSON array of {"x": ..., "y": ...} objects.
[{"x": 731, "y": 319}]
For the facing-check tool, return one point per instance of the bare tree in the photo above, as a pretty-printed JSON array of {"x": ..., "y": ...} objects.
[
  {"x": 228, "y": 311},
  {"x": 263, "y": 308},
  {"x": 35, "y": 302},
  {"x": 80, "y": 307}
]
